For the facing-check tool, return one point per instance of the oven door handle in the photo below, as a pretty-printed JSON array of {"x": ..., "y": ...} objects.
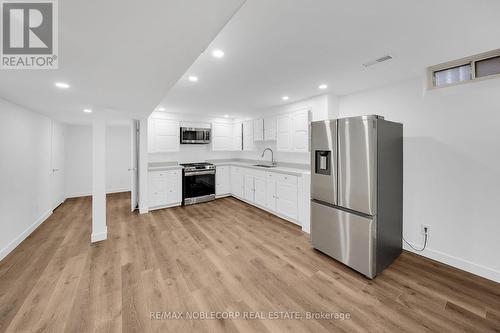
[{"x": 199, "y": 173}]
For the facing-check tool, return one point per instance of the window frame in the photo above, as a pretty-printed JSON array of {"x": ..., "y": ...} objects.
[{"x": 431, "y": 84}]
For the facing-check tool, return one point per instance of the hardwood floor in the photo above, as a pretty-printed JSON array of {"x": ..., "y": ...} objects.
[{"x": 220, "y": 256}]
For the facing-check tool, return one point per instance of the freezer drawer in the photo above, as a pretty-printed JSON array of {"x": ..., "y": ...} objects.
[{"x": 346, "y": 237}]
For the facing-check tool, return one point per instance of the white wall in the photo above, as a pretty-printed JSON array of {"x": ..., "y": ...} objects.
[
  {"x": 25, "y": 173},
  {"x": 322, "y": 107},
  {"x": 451, "y": 166},
  {"x": 78, "y": 181}
]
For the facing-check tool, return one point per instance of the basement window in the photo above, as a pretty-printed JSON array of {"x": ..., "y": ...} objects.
[{"x": 475, "y": 68}]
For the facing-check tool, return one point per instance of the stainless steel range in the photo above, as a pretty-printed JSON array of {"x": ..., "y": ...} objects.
[{"x": 198, "y": 182}]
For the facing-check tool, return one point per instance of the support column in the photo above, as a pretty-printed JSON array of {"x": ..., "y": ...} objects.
[
  {"x": 99, "y": 228},
  {"x": 143, "y": 167}
]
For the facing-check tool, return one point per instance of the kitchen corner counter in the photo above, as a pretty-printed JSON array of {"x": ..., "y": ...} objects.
[
  {"x": 160, "y": 166},
  {"x": 251, "y": 164}
]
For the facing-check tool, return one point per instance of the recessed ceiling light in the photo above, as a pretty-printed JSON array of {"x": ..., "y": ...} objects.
[
  {"x": 226, "y": 116},
  {"x": 218, "y": 53},
  {"x": 62, "y": 85},
  {"x": 285, "y": 98},
  {"x": 161, "y": 109},
  {"x": 87, "y": 110},
  {"x": 323, "y": 86},
  {"x": 193, "y": 78}
]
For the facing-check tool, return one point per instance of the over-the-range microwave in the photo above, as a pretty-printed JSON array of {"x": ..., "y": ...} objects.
[{"x": 191, "y": 135}]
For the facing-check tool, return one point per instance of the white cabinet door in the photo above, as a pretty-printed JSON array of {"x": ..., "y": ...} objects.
[
  {"x": 222, "y": 180},
  {"x": 258, "y": 130},
  {"x": 270, "y": 129},
  {"x": 271, "y": 195},
  {"x": 260, "y": 191},
  {"x": 300, "y": 131},
  {"x": 163, "y": 135},
  {"x": 283, "y": 133},
  {"x": 248, "y": 144},
  {"x": 237, "y": 185},
  {"x": 286, "y": 199},
  {"x": 249, "y": 188},
  {"x": 237, "y": 141},
  {"x": 222, "y": 136},
  {"x": 174, "y": 186},
  {"x": 157, "y": 188}
]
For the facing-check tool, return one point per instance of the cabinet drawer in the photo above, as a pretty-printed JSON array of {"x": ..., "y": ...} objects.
[
  {"x": 158, "y": 174},
  {"x": 236, "y": 169},
  {"x": 289, "y": 179}
]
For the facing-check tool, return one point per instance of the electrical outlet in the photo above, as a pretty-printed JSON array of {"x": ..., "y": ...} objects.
[{"x": 426, "y": 229}]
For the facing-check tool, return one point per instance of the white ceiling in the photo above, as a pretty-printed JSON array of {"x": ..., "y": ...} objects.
[
  {"x": 120, "y": 57},
  {"x": 289, "y": 47}
]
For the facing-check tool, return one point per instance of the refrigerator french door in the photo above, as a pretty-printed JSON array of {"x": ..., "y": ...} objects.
[{"x": 356, "y": 191}]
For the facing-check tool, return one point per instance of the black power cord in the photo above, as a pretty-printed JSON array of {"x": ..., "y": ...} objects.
[{"x": 418, "y": 250}]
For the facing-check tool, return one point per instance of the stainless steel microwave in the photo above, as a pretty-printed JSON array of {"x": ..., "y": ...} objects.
[{"x": 191, "y": 135}]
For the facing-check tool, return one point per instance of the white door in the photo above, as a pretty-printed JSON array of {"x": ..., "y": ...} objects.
[
  {"x": 286, "y": 200},
  {"x": 222, "y": 180},
  {"x": 167, "y": 135},
  {"x": 237, "y": 185},
  {"x": 134, "y": 161},
  {"x": 271, "y": 194},
  {"x": 222, "y": 136},
  {"x": 248, "y": 144},
  {"x": 260, "y": 191},
  {"x": 270, "y": 129},
  {"x": 258, "y": 130},
  {"x": 174, "y": 187},
  {"x": 57, "y": 162},
  {"x": 237, "y": 137},
  {"x": 249, "y": 188},
  {"x": 283, "y": 133},
  {"x": 300, "y": 133}
]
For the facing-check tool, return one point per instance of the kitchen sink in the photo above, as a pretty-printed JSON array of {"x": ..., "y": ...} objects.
[{"x": 265, "y": 165}]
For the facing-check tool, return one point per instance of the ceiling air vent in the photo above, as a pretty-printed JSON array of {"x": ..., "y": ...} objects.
[{"x": 376, "y": 61}]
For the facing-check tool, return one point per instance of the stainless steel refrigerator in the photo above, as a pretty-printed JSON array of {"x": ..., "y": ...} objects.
[{"x": 357, "y": 191}]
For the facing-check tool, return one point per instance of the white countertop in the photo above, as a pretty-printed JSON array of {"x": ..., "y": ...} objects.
[
  {"x": 279, "y": 169},
  {"x": 159, "y": 166}
]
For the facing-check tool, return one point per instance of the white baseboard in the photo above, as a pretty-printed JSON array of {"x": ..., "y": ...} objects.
[
  {"x": 88, "y": 194},
  {"x": 12, "y": 245},
  {"x": 97, "y": 237},
  {"x": 465, "y": 265}
]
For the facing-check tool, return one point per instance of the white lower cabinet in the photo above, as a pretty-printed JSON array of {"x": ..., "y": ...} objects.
[
  {"x": 276, "y": 192},
  {"x": 237, "y": 182},
  {"x": 260, "y": 191},
  {"x": 249, "y": 188},
  {"x": 271, "y": 193},
  {"x": 165, "y": 188},
  {"x": 222, "y": 180},
  {"x": 286, "y": 200}
]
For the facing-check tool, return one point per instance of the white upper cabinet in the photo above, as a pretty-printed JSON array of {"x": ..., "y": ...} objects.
[
  {"x": 270, "y": 129},
  {"x": 293, "y": 132},
  {"x": 258, "y": 130},
  {"x": 237, "y": 137},
  {"x": 300, "y": 131},
  {"x": 248, "y": 144},
  {"x": 283, "y": 133},
  {"x": 222, "y": 136},
  {"x": 163, "y": 135}
]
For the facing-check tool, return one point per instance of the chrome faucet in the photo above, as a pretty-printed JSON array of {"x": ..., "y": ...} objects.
[{"x": 272, "y": 155}]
